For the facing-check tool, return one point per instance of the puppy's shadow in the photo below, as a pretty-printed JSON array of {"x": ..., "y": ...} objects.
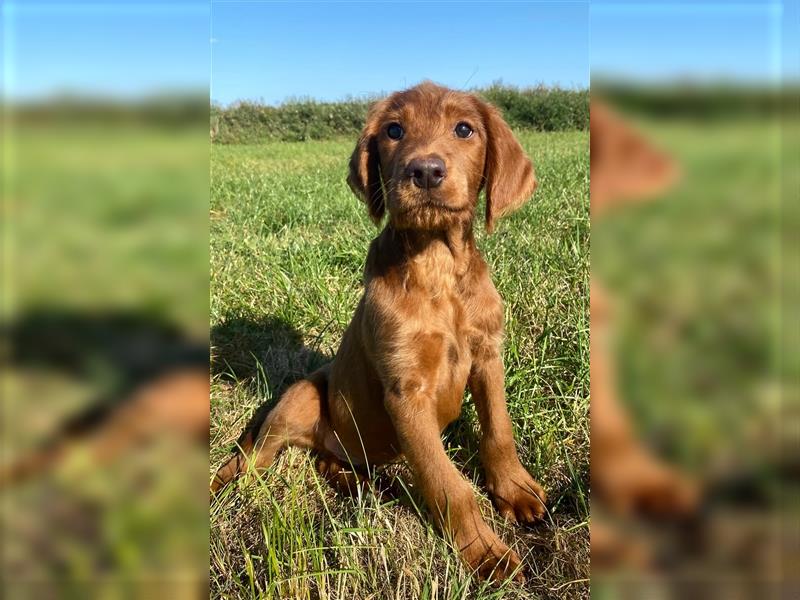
[{"x": 264, "y": 355}]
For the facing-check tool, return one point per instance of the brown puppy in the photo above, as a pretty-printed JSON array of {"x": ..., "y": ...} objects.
[{"x": 430, "y": 321}]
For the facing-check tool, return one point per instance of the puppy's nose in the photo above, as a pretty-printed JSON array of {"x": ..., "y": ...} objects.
[{"x": 426, "y": 173}]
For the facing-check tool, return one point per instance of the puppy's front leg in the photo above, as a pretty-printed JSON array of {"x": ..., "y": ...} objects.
[
  {"x": 447, "y": 494},
  {"x": 517, "y": 496}
]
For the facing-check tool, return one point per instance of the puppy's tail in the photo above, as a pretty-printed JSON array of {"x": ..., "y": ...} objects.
[
  {"x": 236, "y": 464},
  {"x": 296, "y": 420}
]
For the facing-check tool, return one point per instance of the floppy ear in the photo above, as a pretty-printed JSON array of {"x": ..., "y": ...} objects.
[
  {"x": 364, "y": 177},
  {"x": 508, "y": 173}
]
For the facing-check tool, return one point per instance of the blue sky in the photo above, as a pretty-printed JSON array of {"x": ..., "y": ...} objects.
[
  {"x": 123, "y": 49},
  {"x": 652, "y": 41},
  {"x": 273, "y": 50}
]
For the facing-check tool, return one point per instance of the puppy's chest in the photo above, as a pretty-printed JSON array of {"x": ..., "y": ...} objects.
[
  {"x": 434, "y": 286},
  {"x": 442, "y": 307},
  {"x": 433, "y": 273}
]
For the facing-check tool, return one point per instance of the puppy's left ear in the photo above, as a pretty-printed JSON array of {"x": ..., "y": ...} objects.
[{"x": 508, "y": 173}]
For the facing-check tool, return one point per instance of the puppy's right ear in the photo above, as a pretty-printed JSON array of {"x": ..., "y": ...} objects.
[
  {"x": 364, "y": 177},
  {"x": 508, "y": 172}
]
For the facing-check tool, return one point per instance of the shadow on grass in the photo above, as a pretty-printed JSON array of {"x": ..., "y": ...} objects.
[
  {"x": 244, "y": 349},
  {"x": 266, "y": 356},
  {"x": 121, "y": 349}
]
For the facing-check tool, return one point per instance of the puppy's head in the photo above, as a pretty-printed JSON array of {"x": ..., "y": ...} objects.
[{"x": 425, "y": 154}]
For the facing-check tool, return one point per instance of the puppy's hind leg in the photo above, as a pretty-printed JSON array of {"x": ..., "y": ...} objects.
[{"x": 296, "y": 420}]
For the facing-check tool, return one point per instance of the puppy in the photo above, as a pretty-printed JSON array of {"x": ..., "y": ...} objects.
[{"x": 429, "y": 324}]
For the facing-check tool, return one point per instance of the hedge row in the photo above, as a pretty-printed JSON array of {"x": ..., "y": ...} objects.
[
  {"x": 540, "y": 108},
  {"x": 702, "y": 101}
]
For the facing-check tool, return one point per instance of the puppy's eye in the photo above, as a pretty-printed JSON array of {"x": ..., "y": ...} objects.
[
  {"x": 395, "y": 131},
  {"x": 463, "y": 130}
]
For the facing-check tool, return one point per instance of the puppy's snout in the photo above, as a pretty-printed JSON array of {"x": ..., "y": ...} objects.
[{"x": 426, "y": 173}]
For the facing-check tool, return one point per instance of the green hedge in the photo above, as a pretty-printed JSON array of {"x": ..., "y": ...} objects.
[
  {"x": 540, "y": 108},
  {"x": 701, "y": 101}
]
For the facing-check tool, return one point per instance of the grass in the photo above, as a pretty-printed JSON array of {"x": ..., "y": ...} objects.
[
  {"x": 109, "y": 215},
  {"x": 288, "y": 242}
]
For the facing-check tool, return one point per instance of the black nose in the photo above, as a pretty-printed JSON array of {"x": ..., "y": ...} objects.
[{"x": 426, "y": 173}]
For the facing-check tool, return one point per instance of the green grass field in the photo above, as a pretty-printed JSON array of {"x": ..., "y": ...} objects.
[{"x": 288, "y": 243}]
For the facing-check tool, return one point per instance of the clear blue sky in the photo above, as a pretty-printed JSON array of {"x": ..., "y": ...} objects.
[
  {"x": 273, "y": 50},
  {"x": 125, "y": 48},
  {"x": 717, "y": 39}
]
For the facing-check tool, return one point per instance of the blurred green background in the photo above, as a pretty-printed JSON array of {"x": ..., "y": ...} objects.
[
  {"x": 705, "y": 297},
  {"x": 105, "y": 271}
]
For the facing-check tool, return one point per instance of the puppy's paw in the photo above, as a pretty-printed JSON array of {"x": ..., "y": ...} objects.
[
  {"x": 517, "y": 496},
  {"x": 491, "y": 559}
]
